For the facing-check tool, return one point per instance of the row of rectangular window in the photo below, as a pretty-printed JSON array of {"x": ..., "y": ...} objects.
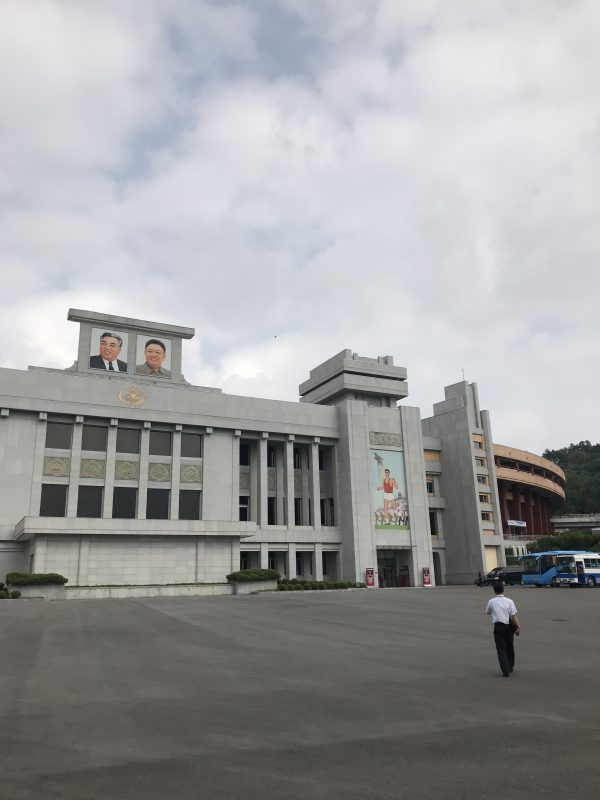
[
  {"x": 326, "y": 506},
  {"x": 271, "y": 456},
  {"x": 59, "y": 436},
  {"x": 53, "y": 502}
]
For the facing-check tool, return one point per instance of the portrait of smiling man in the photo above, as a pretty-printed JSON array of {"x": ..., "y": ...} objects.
[
  {"x": 110, "y": 348},
  {"x": 155, "y": 353}
]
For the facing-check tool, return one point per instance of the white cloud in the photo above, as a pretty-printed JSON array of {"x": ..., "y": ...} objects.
[{"x": 426, "y": 189}]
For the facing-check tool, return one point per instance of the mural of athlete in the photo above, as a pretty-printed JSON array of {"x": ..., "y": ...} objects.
[{"x": 389, "y": 484}]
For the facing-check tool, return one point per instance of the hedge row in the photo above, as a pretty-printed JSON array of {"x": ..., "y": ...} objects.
[
  {"x": 251, "y": 575},
  {"x": 6, "y": 595},
  {"x": 35, "y": 579},
  {"x": 295, "y": 585}
]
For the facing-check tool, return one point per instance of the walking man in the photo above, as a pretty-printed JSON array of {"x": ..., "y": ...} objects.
[{"x": 506, "y": 625}]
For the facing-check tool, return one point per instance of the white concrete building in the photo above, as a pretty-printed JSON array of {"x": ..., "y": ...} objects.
[{"x": 117, "y": 472}]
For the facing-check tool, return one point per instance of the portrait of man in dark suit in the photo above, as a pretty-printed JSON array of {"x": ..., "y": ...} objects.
[{"x": 108, "y": 358}]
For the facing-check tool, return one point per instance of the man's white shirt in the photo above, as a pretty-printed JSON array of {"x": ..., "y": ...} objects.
[
  {"x": 501, "y": 608},
  {"x": 115, "y": 366}
]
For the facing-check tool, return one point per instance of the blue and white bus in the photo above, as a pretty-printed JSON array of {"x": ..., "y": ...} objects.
[
  {"x": 539, "y": 569},
  {"x": 579, "y": 570}
]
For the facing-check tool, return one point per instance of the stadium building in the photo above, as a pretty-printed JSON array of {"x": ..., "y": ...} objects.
[{"x": 116, "y": 472}]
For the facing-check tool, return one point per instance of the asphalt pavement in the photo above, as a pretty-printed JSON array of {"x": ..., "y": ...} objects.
[{"x": 350, "y": 694}]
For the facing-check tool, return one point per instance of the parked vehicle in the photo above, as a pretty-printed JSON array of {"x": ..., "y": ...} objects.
[
  {"x": 539, "y": 569},
  {"x": 508, "y": 576},
  {"x": 579, "y": 570}
]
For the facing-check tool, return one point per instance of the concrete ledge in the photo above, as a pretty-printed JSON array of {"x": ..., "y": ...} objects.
[
  {"x": 41, "y": 591},
  {"x": 122, "y": 592},
  {"x": 251, "y": 587}
]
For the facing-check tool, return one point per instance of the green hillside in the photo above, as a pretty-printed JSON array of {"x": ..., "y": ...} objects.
[{"x": 581, "y": 463}]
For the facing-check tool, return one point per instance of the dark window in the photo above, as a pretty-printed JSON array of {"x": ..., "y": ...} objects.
[
  {"x": 157, "y": 504},
  {"x": 54, "y": 500},
  {"x": 189, "y": 504},
  {"x": 297, "y": 511},
  {"x": 433, "y": 523},
  {"x": 244, "y": 455},
  {"x": 124, "y": 502},
  {"x": 327, "y": 517},
  {"x": 244, "y": 560},
  {"x": 191, "y": 445},
  {"x": 160, "y": 445},
  {"x": 128, "y": 440},
  {"x": 271, "y": 511},
  {"x": 93, "y": 438},
  {"x": 321, "y": 459},
  {"x": 430, "y": 486},
  {"x": 89, "y": 501},
  {"x": 297, "y": 458},
  {"x": 270, "y": 456},
  {"x": 244, "y": 508},
  {"x": 59, "y": 435}
]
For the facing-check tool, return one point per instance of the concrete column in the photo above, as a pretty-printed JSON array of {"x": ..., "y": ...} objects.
[
  {"x": 235, "y": 555},
  {"x": 175, "y": 473},
  {"x": 235, "y": 475},
  {"x": 262, "y": 483},
  {"x": 109, "y": 476},
  {"x": 39, "y": 561},
  {"x": 264, "y": 555},
  {"x": 75, "y": 468},
  {"x": 280, "y": 477},
  {"x": 254, "y": 482},
  {"x": 306, "y": 484},
  {"x": 291, "y": 560},
  {"x": 318, "y": 565},
  {"x": 38, "y": 467},
  {"x": 289, "y": 482},
  {"x": 143, "y": 481},
  {"x": 315, "y": 485}
]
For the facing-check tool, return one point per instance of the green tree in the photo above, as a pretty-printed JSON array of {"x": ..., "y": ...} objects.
[
  {"x": 581, "y": 464},
  {"x": 570, "y": 540}
]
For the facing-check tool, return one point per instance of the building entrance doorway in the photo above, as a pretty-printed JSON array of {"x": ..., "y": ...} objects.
[{"x": 393, "y": 568}]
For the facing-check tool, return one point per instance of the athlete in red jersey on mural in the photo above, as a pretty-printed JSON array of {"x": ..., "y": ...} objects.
[{"x": 389, "y": 484}]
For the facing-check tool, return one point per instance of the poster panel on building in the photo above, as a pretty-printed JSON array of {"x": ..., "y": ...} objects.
[
  {"x": 153, "y": 357},
  {"x": 108, "y": 350},
  {"x": 388, "y": 487}
]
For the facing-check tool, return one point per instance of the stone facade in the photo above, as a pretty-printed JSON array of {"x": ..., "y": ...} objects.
[{"x": 114, "y": 478}]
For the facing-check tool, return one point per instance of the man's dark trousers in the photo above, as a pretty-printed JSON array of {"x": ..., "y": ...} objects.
[{"x": 504, "y": 638}]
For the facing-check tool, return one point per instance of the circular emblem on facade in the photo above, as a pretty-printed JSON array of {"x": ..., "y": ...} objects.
[
  {"x": 159, "y": 472},
  {"x": 57, "y": 467},
  {"x": 126, "y": 470},
  {"x": 91, "y": 468},
  {"x": 133, "y": 397},
  {"x": 190, "y": 474}
]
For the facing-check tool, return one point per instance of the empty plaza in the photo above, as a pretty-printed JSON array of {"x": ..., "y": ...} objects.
[{"x": 346, "y": 694}]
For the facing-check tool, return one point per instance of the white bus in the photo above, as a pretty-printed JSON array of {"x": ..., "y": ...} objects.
[{"x": 582, "y": 569}]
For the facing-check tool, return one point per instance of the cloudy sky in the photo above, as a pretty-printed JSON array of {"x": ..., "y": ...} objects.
[{"x": 296, "y": 177}]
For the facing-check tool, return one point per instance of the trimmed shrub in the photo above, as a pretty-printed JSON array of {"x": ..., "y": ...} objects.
[
  {"x": 23, "y": 579},
  {"x": 252, "y": 575},
  {"x": 15, "y": 594},
  {"x": 3, "y": 594}
]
